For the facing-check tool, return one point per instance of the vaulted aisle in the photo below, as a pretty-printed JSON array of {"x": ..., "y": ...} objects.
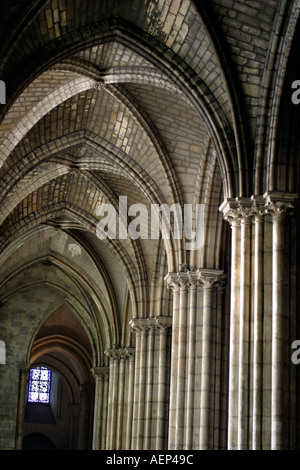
[{"x": 149, "y": 224}]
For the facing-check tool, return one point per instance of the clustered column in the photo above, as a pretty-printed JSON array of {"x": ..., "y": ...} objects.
[
  {"x": 24, "y": 371},
  {"x": 150, "y": 411},
  {"x": 120, "y": 398},
  {"x": 101, "y": 375},
  {"x": 259, "y": 363},
  {"x": 195, "y": 366},
  {"x": 279, "y": 206}
]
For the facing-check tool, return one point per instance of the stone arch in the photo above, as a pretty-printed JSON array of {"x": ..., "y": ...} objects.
[
  {"x": 128, "y": 168},
  {"x": 41, "y": 109},
  {"x": 199, "y": 94},
  {"x": 87, "y": 295},
  {"x": 282, "y": 68},
  {"x": 13, "y": 290},
  {"x": 132, "y": 264},
  {"x": 62, "y": 345}
]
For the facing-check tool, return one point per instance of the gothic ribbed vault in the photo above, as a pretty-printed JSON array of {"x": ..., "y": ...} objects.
[{"x": 161, "y": 102}]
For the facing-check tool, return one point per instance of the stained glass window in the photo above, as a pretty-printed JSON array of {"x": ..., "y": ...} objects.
[{"x": 39, "y": 385}]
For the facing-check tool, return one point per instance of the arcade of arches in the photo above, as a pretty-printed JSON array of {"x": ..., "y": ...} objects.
[{"x": 151, "y": 344}]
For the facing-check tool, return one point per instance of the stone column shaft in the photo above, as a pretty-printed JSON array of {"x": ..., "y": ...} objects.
[
  {"x": 191, "y": 338},
  {"x": 163, "y": 326},
  {"x": 142, "y": 389},
  {"x": 24, "y": 371},
  {"x": 234, "y": 339},
  {"x": 229, "y": 209},
  {"x": 182, "y": 424},
  {"x": 279, "y": 206},
  {"x": 135, "y": 417},
  {"x": 130, "y": 401},
  {"x": 179, "y": 284},
  {"x": 112, "y": 404},
  {"x": 104, "y": 404},
  {"x": 180, "y": 388},
  {"x": 120, "y": 406},
  {"x": 258, "y": 332},
  {"x": 151, "y": 380},
  {"x": 243, "y": 403},
  {"x": 174, "y": 370},
  {"x": 220, "y": 373},
  {"x": 205, "y": 402},
  {"x": 84, "y": 420},
  {"x": 259, "y": 350},
  {"x": 278, "y": 334},
  {"x": 120, "y": 399},
  {"x": 149, "y": 388},
  {"x": 211, "y": 281}
]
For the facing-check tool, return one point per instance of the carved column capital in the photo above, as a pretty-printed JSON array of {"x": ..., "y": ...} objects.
[
  {"x": 24, "y": 367},
  {"x": 210, "y": 278},
  {"x": 119, "y": 354},
  {"x": 100, "y": 373},
  {"x": 130, "y": 354},
  {"x": 207, "y": 278},
  {"x": 237, "y": 210},
  {"x": 112, "y": 354},
  {"x": 177, "y": 281},
  {"x": 139, "y": 325},
  {"x": 258, "y": 207},
  {"x": 278, "y": 204},
  {"x": 241, "y": 210},
  {"x": 162, "y": 323},
  {"x": 182, "y": 281}
]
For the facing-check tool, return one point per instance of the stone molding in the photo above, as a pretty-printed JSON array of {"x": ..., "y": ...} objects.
[
  {"x": 118, "y": 354},
  {"x": 74, "y": 409},
  {"x": 100, "y": 372},
  {"x": 241, "y": 210},
  {"x": 280, "y": 204},
  {"x": 207, "y": 278},
  {"x": 85, "y": 390},
  {"x": 24, "y": 367},
  {"x": 161, "y": 324}
]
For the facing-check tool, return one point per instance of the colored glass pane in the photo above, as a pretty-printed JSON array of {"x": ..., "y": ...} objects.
[{"x": 39, "y": 385}]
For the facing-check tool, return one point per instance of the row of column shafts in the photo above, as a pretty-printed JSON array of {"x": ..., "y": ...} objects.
[
  {"x": 204, "y": 379},
  {"x": 262, "y": 380}
]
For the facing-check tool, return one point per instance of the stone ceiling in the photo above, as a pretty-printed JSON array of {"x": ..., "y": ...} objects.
[{"x": 159, "y": 101}]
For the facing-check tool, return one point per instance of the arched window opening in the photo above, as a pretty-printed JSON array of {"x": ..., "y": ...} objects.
[{"x": 39, "y": 385}]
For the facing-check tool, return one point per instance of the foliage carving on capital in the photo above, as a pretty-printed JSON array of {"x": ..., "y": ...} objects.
[
  {"x": 279, "y": 205},
  {"x": 130, "y": 354},
  {"x": 152, "y": 324},
  {"x": 258, "y": 207},
  {"x": 162, "y": 324},
  {"x": 207, "y": 278},
  {"x": 100, "y": 372},
  {"x": 121, "y": 353},
  {"x": 139, "y": 325},
  {"x": 211, "y": 278},
  {"x": 181, "y": 281},
  {"x": 237, "y": 210}
]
